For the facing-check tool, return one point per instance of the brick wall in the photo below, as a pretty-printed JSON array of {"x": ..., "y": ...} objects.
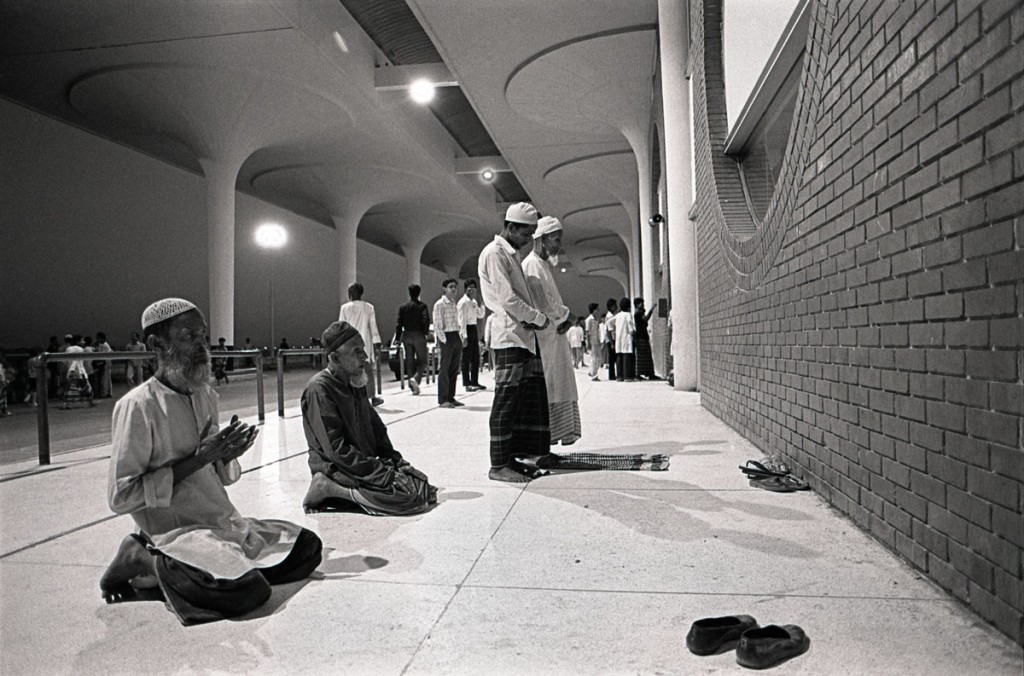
[{"x": 871, "y": 329}]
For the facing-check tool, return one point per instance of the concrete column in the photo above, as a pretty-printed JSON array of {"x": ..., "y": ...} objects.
[
  {"x": 346, "y": 227},
  {"x": 647, "y": 253},
  {"x": 674, "y": 34},
  {"x": 220, "y": 227},
  {"x": 413, "y": 253}
]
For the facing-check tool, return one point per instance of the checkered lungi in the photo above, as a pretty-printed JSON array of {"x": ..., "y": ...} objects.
[
  {"x": 519, "y": 414},
  {"x": 644, "y": 360}
]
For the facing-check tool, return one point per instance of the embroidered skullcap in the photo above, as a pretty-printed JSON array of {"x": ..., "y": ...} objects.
[
  {"x": 547, "y": 225},
  {"x": 336, "y": 335},
  {"x": 165, "y": 309},
  {"x": 522, "y": 212}
]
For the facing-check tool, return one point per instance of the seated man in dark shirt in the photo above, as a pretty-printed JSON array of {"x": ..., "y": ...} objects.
[{"x": 350, "y": 454}]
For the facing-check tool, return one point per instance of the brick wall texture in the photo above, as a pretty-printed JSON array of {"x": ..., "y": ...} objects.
[{"x": 870, "y": 330}]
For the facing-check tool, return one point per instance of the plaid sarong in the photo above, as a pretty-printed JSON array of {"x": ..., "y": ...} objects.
[
  {"x": 627, "y": 462},
  {"x": 644, "y": 360},
  {"x": 519, "y": 414}
]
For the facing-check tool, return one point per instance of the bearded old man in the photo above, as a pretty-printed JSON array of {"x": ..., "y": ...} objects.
[
  {"x": 519, "y": 412},
  {"x": 555, "y": 354},
  {"x": 350, "y": 455},
  {"x": 169, "y": 466}
]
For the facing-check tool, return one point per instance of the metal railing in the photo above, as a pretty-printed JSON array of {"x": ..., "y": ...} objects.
[
  {"x": 382, "y": 355},
  {"x": 136, "y": 358}
]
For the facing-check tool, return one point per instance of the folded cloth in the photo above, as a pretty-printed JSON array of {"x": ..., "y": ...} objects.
[{"x": 594, "y": 461}]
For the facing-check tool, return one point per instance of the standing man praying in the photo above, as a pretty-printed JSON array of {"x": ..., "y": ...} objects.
[{"x": 519, "y": 413}]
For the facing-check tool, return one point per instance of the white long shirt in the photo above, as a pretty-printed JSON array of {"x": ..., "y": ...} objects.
[
  {"x": 363, "y": 318},
  {"x": 503, "y": 289}
]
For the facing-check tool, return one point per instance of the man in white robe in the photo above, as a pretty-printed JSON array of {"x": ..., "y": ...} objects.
[
  {"x": 169, "y": 466},
  {"x": 555, "y": 354}
]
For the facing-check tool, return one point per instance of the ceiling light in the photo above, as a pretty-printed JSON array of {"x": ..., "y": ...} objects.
[
  {"x": 563, "y": 269},
  {"x": 487, "y": 175},
  {"x": 422, "y": 91},
  {"x": 340, "y": 41},
  {"x": 271, "y": 236}
]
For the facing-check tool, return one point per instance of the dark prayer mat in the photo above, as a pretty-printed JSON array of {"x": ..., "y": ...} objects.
[{"x": 630, "y": 462}]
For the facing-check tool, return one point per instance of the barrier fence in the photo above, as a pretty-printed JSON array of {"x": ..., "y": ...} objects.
[{"x": 135, "y": 359}]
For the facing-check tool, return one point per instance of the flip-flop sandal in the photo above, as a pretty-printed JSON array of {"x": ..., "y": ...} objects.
[
  {"x": 756, "y": 470},
  {"x": 780, "y": 484}
]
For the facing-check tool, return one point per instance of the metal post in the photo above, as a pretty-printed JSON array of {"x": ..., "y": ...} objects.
[
  {"x": 401, "y": 365},
  {"x": 259, "y": 387},
  {"x": 42, "y": 417},
  {"x": 280, "y": 384},
  {"x": 380, "y": 351}
]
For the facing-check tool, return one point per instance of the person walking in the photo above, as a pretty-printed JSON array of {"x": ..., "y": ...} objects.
[{"x": 449, "y": 333}]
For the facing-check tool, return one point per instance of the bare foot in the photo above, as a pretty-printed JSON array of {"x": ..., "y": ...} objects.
[
  {"x": 320, "y": 490},
  {"x": 131, "y": 561},
  {"x": 507, "y": 474}
]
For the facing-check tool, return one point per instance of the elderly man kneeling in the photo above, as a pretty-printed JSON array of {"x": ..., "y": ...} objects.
[
  {"x": 168, "y": 469},
  {"x": 350, "y": 454}
]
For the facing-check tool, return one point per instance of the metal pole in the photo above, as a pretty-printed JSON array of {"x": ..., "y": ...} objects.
[
  {"x": 273, "y": 267},
  {"x": 259, "y": 387},
  {"x": 401, "y": 365},
  {"x": 380, "y": 351},
  {"x": 280, "y": 384},
  {"x": 42, "y": 418}
]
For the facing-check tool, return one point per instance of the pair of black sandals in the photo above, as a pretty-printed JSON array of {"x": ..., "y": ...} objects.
[
  {"x": 756, "y": 647},
  {"x": 772, "y": 475}
]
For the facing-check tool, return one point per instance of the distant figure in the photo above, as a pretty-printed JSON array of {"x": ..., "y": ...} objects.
[
  {"x": 362, "y": 315},
  {"x": 609, "y": 325},
  {"x": 595, "y": 340},
  {"x": 412, "y": 328},
  {"x": 448, "y": 332},
  {"x": 350, "y": 454},
  {"x": 575, "y": 337},
  {"x": 169, "y": 465},
  {"x": 642, "y": 341},
  {"x": 34, "y": 364},
  {"x": 220, "y": 363},
  {"x": 77, "y": 387},
  {"x": 104, "y": 381},
  {"x": 624, "y": 331},
  {"x": 284, "y": 345},
  {"x": 470, "y": 313},
  {"x": 134, "y": 368}
]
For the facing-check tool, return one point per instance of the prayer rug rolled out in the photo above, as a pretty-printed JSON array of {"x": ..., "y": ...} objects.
[{"x": 595, "y": 461}]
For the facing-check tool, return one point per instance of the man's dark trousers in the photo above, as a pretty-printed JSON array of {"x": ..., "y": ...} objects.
[
  {"x": 471, "y": 358},
  {"x": 415, "y": 354},
  {"x": 448, "y": 371}
]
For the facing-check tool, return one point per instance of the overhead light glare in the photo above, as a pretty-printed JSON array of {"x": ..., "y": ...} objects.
[
  {"x": 271, "y": 236},
  {"x": 487, "y": 175},
  {"x": 340, "y": 41},
  {"x": 422, "y": 91}
]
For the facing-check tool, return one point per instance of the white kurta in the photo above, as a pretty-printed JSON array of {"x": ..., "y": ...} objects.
[
  {"x": 193, "y": 521},
  {"x": 554, "y": 348},
  {"x": 624, "y": 330},
  {"x": 363, "y": 318}
]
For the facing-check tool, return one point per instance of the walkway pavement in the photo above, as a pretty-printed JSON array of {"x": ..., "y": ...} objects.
[{"x": 576, "y": 573}]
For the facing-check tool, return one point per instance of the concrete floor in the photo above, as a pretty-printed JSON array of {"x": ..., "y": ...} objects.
[{"x": 576, "y": 573}]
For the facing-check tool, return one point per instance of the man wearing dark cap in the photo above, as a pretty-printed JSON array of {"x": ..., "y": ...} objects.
[
  {"x": 169, "y": 465},
  {"x": 350, "y": 455}
]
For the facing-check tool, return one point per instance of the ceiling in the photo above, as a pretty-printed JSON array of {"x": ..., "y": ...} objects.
[{"x": 284, "y": 90}]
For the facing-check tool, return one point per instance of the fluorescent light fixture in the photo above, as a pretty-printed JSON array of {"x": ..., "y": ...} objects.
[
  {"x": 340, "y": 41},
  {"x": 422, "y": 91},
  {"x": 271, "y": 236}
]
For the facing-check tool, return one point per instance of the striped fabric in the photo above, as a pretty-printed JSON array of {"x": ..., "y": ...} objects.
[
  {"x": 565, "y": 422},
  {"x": 519, "y": 414},
  {"x": 624, "y": 462}
]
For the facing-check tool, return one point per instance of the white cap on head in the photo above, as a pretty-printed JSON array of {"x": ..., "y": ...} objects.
[
  {"x": 547, "y": 225},
  {"x": 165, "y": 309},
  {"x": 522, "y": 212}
]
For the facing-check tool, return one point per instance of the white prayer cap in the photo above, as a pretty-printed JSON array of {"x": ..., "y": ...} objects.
[
  {"x": 547, "y": 225},
  {"x": 522, "y": 212},
  {"x": 165, "y": 309}
]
